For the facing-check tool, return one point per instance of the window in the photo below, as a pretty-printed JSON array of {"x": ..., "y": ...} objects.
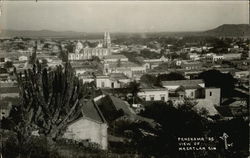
[
  {"x": 112, "y": 85},
  {"x": 143, "y": 97},
  {"x": 102, "y": 84},
  {"x": 192, "y": 94},
  {"x": 162, "y": 97},
  {"x": 210, "y": 93},
  {"x": 152, "y": 98}
]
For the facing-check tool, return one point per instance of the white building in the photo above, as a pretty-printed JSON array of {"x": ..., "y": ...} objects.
[
  {"x": 128, "y": 68},
  {"x": 173, "y": 85},
  {"x": 86, "y": 53},
  {"x": 154, "y": 94},
  {"x": 91, "y": 127},
  {"x": 116, "y": 80},
  {"x": 115, "y": 58},
  {"x": 23, "y": 58}
]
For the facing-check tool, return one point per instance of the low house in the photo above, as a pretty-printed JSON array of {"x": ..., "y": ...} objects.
[
  {"x": 128, "y": 68},
  {"x": 115, "y": 58},
  {"x": 5, "y": 109},
  {"x": 10, "y": 92},
  {"x": 241, "y": 74},
  {"x": 86, "y": 78},
  {"x": 206, "y": 97},
  {"x": 23, "y": 58},
  {"x": 232, "y": 56},
  {"x": 153, "y": 94},
  {"x": 114, "y": 80},
  {"x": 173, "y": 85},
  {"x": 114, "y": 108},
  {"x": 91, "y": 127},
  {"x": 191, "y": 65},
  {"x": 214, "y": 57},
  {"x": 153, "y": 63},
  {"x": 194, "y": 56}
]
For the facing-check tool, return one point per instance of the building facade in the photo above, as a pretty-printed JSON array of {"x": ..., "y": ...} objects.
[{"x": 85, "y": 53}]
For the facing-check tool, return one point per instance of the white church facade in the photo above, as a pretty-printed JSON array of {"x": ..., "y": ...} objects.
[{"x": 85, "y": 53}]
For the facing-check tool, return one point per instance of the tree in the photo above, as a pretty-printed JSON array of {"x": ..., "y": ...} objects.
[
  {"x": 174, "y": 122},
  {"x": 50, "y": 100},
  {"x": 63, "y": 55},
  {"x": 119, "y": 63},
  {"x": 134, "y": 88},
  {"x": 170, "y": 77},
  {"x": 32, "y": 59},
  {"x": 148, "y": 79},
  {"x": 44, "y": 63},
  {"x": 8, "y": 64},
  {"x": 214, "y": 78},
  {"x": 96, "y": 59}
]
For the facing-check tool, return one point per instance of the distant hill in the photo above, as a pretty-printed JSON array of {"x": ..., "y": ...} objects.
[
  {"x": 40, "y": 33},
  {"x": 230, "y": 30},
  {"x": 238, "y": 30}
]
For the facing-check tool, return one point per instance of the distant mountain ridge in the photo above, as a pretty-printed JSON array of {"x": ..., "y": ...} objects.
[
  {"x": 238, "y": 30},
  {"x": 230, "y": 30},
  {"x": 40, "y": 33}
]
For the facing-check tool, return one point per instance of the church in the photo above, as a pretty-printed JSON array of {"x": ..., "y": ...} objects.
[{"x": 84, "y": 53}]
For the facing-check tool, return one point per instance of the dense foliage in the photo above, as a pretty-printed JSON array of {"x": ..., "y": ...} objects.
[{"x": 214, "y": 78}]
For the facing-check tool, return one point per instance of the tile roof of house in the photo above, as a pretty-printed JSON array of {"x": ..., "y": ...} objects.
[
  {"x": 120, "y": 104},
  {"x": 182, "y": 82},
  {"x": 118, "y": 76},
  {"x": 92, "y": 111},
  {"x": 124, "y": 64},
  {"x": 117, "y": 56},
  {"x": 190, "y": 86},
  {"x": 4, "y": 90}
]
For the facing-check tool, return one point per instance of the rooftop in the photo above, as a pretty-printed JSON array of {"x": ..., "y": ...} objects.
[
  {"x": 182, "y": 82},
  {"x": 118, "y": 56},
  {"x": 4, "y": 90},
  {"x": 91, "y": 110}
]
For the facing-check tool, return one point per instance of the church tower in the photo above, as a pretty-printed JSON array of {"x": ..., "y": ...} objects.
[{"x": 107, "y": 40}]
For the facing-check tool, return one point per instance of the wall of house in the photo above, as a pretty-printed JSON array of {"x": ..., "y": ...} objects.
[
  {"x": 100, "y": 81},
  {"x": 11, "y": 95},
  {"x": 191, "y": 93},
  {"x": 86, "y": 129},
  {"x": 174, "y": 87},
  {"x": 213, "y": 94},
  {"x": 155, "y": 94}
]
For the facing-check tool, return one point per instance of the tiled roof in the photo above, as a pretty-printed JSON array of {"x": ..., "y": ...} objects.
[
  {"x": 115, "y": 56},
  {"x": 91, "y": 110},
  {"x": 191, "y": 86},
  {"x": 182, "y": 82},
  {"x": 120, "y": 104},
  {"x": 113, "y": 107},
  {"x": 124, "y": 64},
  {"x": 9, "y": 90},
  {"x": 118, "y": 76}
]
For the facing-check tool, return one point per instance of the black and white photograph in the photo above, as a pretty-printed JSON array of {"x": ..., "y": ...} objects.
[{"x": 124, "y": 79}]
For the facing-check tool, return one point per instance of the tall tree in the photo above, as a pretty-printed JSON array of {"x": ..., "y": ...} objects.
[
  {"x": 134, "y": 88},
  {"x": 214, "y": 78},
  {"x": 49, "y": 100},
  {"x": 170, "y": 77},
  {"x": 32, "y": 59},
  {"x": 148, "y": 79}
]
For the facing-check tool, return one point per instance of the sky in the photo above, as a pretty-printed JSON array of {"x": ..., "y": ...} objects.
[{"x": 122, "y": 16}]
